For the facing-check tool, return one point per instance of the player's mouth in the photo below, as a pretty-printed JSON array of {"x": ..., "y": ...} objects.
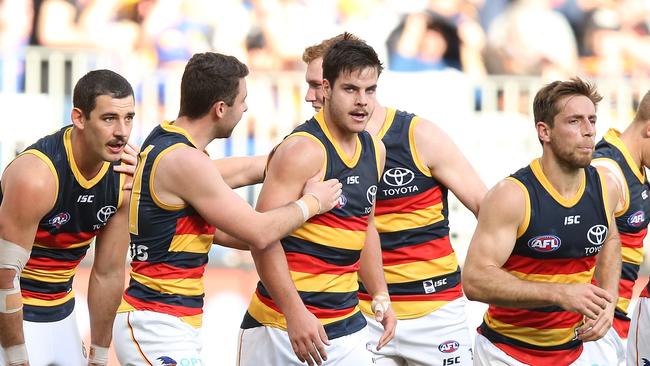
[
  {"x": 116, "y": 146},
  {"x": 359, "y": 115}
]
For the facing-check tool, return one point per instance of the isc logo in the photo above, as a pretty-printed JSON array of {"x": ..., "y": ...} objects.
[
  {"x": 636, "y": 219},
  {"x": 448, "y": 347},
  {"x": 544, "y": 243}
]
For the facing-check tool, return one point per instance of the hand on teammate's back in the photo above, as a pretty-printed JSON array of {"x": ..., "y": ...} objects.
[
  {"x": 307, "y": 336},
  {"x": 327, "y": 192}
]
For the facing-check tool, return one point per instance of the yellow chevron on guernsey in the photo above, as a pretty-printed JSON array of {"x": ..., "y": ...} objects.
[
  {"x": 331, "y": 237},
  {"x": 71, "y": 246},
  {"x": 309, "y": 282},
  {"x": 578, "y": 277},
  {"x": 191, "y": 243},
  {"x": 632, "y": 255},
  {"x": 44, "y": 275},
  {"x": 177, "y": 286},
  {"x": 409, "y": 220},
  {"x": 537, "y": 337},
  {"x": 38, "y": 302},
  {"x": 267, "y": 316},
  {"x": 414, "y": 271}
]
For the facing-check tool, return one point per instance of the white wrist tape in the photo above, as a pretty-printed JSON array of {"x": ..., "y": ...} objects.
[
  {"x": 15, "y": 355},
  {"x": 303, "y": 207},
  {"x": 380, "y": 303},
  {"x": 98, "y": 355},
  {"x": 13, "y": 257}
]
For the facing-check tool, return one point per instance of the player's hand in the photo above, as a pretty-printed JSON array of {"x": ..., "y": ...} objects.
[
  {"x": 389, "y": 321},
  {"x": 129, "y": 159},
  {"x": 327, "y": 193},
  {"x": 307, "y": 336},
  {"x": 586, "y": 299},
  {"x": 593, "y": 330}
]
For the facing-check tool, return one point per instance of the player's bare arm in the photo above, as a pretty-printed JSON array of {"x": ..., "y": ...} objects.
[
  {"x": 484, "y": 279},
  {"x": 608, "y": 266},
  {"x": 242, "y": 171},
  {"x": 295, "y": 161},
  {"x": 448, "y": 165},
  {"x": 27, "y": 176},
  {"x": 106, "y": 281},
  {"x": 187, "y": 176}
]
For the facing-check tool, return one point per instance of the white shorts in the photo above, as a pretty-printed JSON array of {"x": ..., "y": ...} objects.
[
  {"x": 150, "y": 338},
  {"x": 607, "y": 351},
  {"x": 54, "y": 343},
  {"x": 271, "y": 347},
  {"x": 638, "y": 339},
  {"x": 487, "y": 354},
  {"x": 438, "y": 338}
]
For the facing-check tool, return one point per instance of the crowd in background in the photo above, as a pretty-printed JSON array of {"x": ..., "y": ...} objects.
[{"x": 548, "y": 38}]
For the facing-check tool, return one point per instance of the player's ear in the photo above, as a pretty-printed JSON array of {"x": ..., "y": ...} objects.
[
  {"x": 219, "y": 108},
  {"x": 78, "y": 118},
  {"x": 327, "y": 89},
  {"x": 543, "y": 131}
]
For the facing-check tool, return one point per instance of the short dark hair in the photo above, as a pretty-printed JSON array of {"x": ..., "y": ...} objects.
[
  {"x": 97, "y": 83},
  {"x": 208, "y": 78},
  {"x": 348, "y": 55},
  {"x": 545, "y": 106}
]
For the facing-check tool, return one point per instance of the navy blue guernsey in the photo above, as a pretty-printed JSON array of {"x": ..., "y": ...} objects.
[
  {"x": 323, "y": 254},
  {"x": 64, "y": 234},
  {"x": 557, "y": 242}
]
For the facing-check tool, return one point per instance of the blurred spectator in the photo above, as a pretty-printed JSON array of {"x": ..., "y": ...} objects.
[
  {"x": 15, "y": 27},
  {"x": 446, "y": 35},
  {"x": 529, "y": 38},
  {"x": 82, "y": 24}
]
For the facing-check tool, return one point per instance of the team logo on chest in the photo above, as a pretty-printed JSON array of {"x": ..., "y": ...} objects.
[{"x": 545, "y": 243}]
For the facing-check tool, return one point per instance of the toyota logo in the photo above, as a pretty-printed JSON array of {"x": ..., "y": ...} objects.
[
  {"x": 105, "y": 213},
  {"x": 398, "y": 177},
  {"x": 371, "y": 193},
  {"x": 597, "y": 234}
]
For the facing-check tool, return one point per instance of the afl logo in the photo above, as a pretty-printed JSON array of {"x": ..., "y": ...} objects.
[
  {"x": 371, "y": 193},
  {"x": 636, "y": 219},
  {"x": 105, "y": 213},
  {"x": 597, "y": 234},
  {"x": 545, "y": 243},
  {"x": 59, "y": 220},
  {"x": 342, "y": 201},
  {"x": 449, "y": 347},
  {"x": 398, "y": 177}
]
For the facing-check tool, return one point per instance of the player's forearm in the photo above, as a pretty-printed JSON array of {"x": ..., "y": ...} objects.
[
  {"x": 495, "y": 286},
  {"x": 228, "y": 241},
  {"x": 272, "y": 267},
  {"x": 241, "y": 171},
  {"x": 608, "y": 266},
  {"x": 104, "y": 296},
  {"x": 11, "y": 329},
  {"x": 371, "y": 269}
]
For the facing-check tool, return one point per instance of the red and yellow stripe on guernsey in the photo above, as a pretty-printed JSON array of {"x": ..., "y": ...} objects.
[
  {"x": 193, "y": 235},
  {"x": 415, "y": 262},
  {"x": 544, "y": 329},
  {"x": 632, "y": 253},
  {"x": 312, "y": 274}
]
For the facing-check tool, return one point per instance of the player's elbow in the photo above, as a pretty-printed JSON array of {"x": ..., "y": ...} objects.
[
  {"x": 470, "y": 286},
  {"x": 259, "y": 241}
]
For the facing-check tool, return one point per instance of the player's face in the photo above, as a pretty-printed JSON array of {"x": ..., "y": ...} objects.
[
  {"x": 572, "y": 137},
  {"x": 351, "y": 100},
  {"x": 314, "y": 79},
  {"x": 234, "y": 113},
  {"x": 109, "y": 125}
]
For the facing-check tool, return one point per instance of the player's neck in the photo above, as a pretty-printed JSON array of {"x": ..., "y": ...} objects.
[
  {"x": 199, "y": 129},
  {"x": 86, "y": 162},
  {"x": 377, "y": 120},
  {"x": 566, "y": 180},
  {"x": 633, "y": 139},
  {"x": 345, "y": 138}
]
